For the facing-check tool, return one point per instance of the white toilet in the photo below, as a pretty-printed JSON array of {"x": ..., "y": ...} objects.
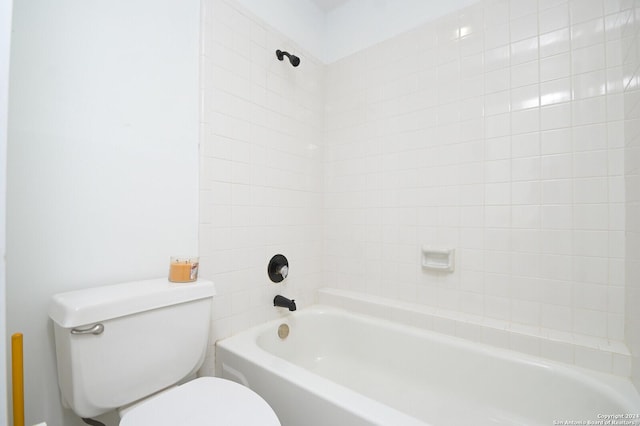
[{"x": 125, "y": 346}]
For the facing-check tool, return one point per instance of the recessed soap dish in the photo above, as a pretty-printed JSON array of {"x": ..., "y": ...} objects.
[{"x": 438, "y": 259}]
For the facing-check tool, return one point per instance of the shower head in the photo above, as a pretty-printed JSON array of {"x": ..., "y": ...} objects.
[{"x": 295, "y": 61}]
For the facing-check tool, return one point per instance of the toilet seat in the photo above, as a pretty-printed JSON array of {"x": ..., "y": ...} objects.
[{"x": 204, "y": 401}]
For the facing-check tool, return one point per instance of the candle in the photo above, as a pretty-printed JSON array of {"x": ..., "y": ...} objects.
[{"x": 183, "y": 269}]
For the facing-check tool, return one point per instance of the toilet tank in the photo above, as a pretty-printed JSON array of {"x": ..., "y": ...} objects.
[{"x": 120, "y": 343}]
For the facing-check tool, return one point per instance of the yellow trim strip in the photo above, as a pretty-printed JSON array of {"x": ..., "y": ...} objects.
[{"x": 17, "y": 379}]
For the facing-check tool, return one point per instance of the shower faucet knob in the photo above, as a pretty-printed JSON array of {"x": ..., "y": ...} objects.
[
  {"x": 284, "y": 271},
  {"x": 278, "y": 268}
]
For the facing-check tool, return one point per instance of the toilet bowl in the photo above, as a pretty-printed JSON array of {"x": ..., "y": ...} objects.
[
  {"x": 128, "y": 345},
  {"x": 203, "y": 401}
]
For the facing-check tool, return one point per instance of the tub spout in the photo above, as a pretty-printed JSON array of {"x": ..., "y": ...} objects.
[{"x": 283, "y": 302}]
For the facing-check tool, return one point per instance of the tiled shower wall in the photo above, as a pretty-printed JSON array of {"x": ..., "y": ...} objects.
[
  {"x": 261, "y": 153},
  {"x": 497, "y": 131},
  {"x": 631, "y": 60}
]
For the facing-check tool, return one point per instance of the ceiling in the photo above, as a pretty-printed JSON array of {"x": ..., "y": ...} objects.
[{"x": 327, "y": 5}]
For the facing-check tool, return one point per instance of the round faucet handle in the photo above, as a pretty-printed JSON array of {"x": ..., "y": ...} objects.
[
  {"x": 284, "y": 271},
  {"x": 278, "y": 268}
]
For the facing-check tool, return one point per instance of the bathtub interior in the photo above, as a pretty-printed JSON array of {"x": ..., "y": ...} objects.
[
  {"x": 421, "y": 373},
  {"x": 430, "y": 376}
]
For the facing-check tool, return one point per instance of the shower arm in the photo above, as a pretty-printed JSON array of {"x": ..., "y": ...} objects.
[{"x": 295, "y": 61}]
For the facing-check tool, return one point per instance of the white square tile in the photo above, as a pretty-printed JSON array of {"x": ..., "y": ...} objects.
[
  {"x": 589, "y": 84},
  {"x": 616, "y": 189},
  {"x": 525, "y": 121},
  {"x": 518, "y": 8},
  {"x": 524, "y": 50},
  {"x": 554, "y": 18},
  {"x": 591, "y": 216},
  {"x": 556, "y": 241},
  {"x": 496, "y": 36},
  {"x": 497, "y": 125},
  {"x": 497, "y": 216},
  {"x": 557, "y": 217},
  {"x": 557, "y": 166},
  {"x": 471, "y": 65},
  {"x": 525, "y": 169},
  {"x": 496, "y": 58},
  {"x": 554, "y": 67},
  {"x": 556, "y": 141},
  {"x": 526, "y": 216},
  {"x": 523, "y": 343},
  {"x": 472, "y": 332},
  {"x": 524, "y": 97},
  {"x": 590, "y": 322},
  {"x": 617, "y": 216},
  {"x": 525, "y": 312},
  {"x": 587, "y": 33},
  {"x": 556, "y": 267},
  {"x": 555, "y": 91},
  {"x": 525, "y": 145},
  {"x": 471, "y": 44},
  {"x": 557, "y": 351},
  {"x": 588, "y": 58},
  {"x": 590, "y": 190},
  {"x": 444, "y": 325},
  {"x": 497, "y": 171},
  {"x": 474, "y": 86},
  {"x": 525, "y": 193},
  {"x": 495, "y": 337},
  {"x": 616, "y": 327},
  {"x": 557, "y": 191},
  {"x": 497, "y": 307},
  {"x": 590, "y": 164},
  {"x": 524, "y": 27},
  {"x": 546, "y": 4},
  {"x": 613, "y": 6},
  {"x": 590, "y": 137},
  {"x": 616, "y": 244},
  {"x": 497, "y": 193},
  {"x": 615, "y": 107},
  {"x": 556, "y": 317},
  {"x": 498, "y": 80},
  {"x": 591, "y": 296},
  {"x": 557, "y": 293},
  {"x": 621, "y": 365},
  {"x": 555, "y": 116},
  {"x": 555, "y": 42},
  {"x": 590, "y": 270},
  {"x": 497, "y": 103},
  {"x": 496, "y": 12},
  {"x": 591, "y": 243},
  {"x": 585, "y": 10}
]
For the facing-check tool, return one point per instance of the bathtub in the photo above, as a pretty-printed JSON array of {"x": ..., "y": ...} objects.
[{"x": 336, "y": 368}]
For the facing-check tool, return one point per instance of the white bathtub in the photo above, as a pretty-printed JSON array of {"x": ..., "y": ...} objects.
[{"x": 341, "y": 369}]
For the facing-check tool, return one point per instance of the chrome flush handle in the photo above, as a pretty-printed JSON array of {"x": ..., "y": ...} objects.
[{"x": 95, "y": 329}]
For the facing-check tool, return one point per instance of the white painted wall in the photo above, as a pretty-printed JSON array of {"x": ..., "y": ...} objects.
[
  {"x": 102, "y": 159},
  {"x": 5, "y": 37}
]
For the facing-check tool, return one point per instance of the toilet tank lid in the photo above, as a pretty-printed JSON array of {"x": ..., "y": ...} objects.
[{"x": 91, "y": 305}]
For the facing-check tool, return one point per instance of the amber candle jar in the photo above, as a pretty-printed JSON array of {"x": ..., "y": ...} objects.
[{"x": 183, "y": 269}]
